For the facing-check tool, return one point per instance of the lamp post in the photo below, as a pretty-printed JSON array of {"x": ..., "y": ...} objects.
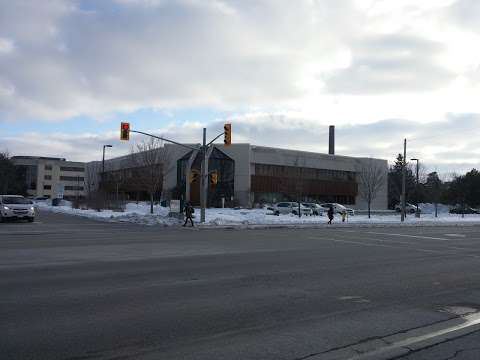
[
  {"x": 103, "y": 160},
  {"x": 417, "y": 213}
]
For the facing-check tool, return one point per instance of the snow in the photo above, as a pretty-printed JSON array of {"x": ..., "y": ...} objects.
[{"x": 140, "y": 214}]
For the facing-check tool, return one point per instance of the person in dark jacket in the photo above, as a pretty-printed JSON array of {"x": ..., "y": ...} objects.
[
  {"x": 188, "y": 214},
  {"x": 330, "y": 215}
]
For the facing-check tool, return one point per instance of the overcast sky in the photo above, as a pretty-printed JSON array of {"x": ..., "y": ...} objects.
[{"x": 280, "y": 70}]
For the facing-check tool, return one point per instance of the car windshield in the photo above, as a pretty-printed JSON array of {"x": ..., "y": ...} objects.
[{"x": 15, "y": 200}]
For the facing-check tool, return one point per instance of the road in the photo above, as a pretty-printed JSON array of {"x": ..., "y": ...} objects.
[{"x": 73, "y": 288}]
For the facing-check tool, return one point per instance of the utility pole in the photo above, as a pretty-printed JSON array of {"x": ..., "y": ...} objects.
[
  {"x": 404, "y": 171},
  {"x": 203, "y": 178},
  {"x": 103, "y": 161},
  {"x": 417, "y": 213}
]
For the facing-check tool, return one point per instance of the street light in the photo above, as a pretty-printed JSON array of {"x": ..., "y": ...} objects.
[
  {"x": 103, "y": 159},
  {"x": 417, "y": 213}
]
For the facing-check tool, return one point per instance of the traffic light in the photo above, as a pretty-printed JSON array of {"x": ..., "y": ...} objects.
[
  {"x": 125, "y": 131},
  {"x": 214, "y": 178},
  {"x": 193, "y": 176},
  {"x": 228, "y": 134}
]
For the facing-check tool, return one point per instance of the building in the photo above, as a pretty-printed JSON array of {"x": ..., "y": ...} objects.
[
  {"x": 51, "y": 177},
  {"x": 246, "y": 175}
]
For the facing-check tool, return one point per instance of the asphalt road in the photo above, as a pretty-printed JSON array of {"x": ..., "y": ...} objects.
[{"x": 72, "y": 288}]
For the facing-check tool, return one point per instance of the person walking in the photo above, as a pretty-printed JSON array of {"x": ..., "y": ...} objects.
[
  {"x": 330, "y": 215},
  {"x": 344, "y": 215},
  {"x": 189, "y": 210}
]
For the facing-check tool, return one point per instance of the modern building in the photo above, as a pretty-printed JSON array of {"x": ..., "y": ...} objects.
[
  {"x": 246, "y": 175},
  {"x": 52, "y": 177}
]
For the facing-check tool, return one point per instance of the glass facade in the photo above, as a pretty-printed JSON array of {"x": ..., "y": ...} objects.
[{"x": 220, "y": 166}]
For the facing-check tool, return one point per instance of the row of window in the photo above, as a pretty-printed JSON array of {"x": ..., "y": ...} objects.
[
  {"x": 303, "y": 172},
  {"x": 66, "y": 168},
  {"x": 66, "y": 178},
  {"x": 70, "y": 188}
]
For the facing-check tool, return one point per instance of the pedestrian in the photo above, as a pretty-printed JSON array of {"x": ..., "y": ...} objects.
[
  {"x": 189, "y": 210},
  {"x": 344, "y": 215},
  {"x": 330, "y": 215}
]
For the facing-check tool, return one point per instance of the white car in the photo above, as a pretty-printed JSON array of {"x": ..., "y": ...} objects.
[
  {"x": 409, "y": 208},
  {"x": 338, "y": 208},
  {"x": 317, "y": 210},
  {"x": 16, "y": 207},
  {"x": 290, "y": 208}
]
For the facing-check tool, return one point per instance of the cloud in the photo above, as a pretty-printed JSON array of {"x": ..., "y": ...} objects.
[
  {"x": 391, "y": 63},
  {"x": 440, "y": 145}
]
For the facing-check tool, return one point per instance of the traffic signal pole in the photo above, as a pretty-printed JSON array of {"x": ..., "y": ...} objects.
[
  {"x": 203, "y": 178},
  {"x": 404, "y": 170},
  {"x": 206, "y": 150}
]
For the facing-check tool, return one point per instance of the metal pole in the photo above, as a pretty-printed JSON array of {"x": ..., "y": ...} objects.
[
  {"x": 404, "y": 168},
  {"x": 103, "y": 160},
  {"x": 203, "y": 178},
  {"x": 417, "y": 213}
]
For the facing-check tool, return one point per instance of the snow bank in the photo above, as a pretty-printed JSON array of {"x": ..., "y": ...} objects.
[{"x": 140, "y": 214}]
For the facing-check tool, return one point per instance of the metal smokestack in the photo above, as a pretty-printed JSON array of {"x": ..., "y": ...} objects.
[{"x": 331, "y": 140}]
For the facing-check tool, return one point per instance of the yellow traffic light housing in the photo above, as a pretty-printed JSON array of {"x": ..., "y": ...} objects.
[
  {"x": 228, "y": 134},
  {"x": 125, "y": 131},
  {"x": 214, "y": 178},
  {"x": 193, "y": 176}
]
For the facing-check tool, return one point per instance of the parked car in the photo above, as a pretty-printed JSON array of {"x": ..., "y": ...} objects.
[
  {"x": 338, "y": 208},
  {"x": 290, "y": 208},
  {"x": 317, "y": 210},
  {"x": 464, "y": 210},
  {"x": 16, "y": 207},
  {"x": 409, "y": 208}
]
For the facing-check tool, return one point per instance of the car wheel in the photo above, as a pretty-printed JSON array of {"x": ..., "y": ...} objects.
[
  {"x": 412, "y": 211},
  {"x": 294, "y": 212},
  {"x": 276, "y": 213},
  {"x": 31, "y": 219},
  {"x": 2, "y": 219}
]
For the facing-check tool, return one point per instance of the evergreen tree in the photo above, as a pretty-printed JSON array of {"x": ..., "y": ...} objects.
[
  {"x": 12, "y": 180},
  {"x": 395, "y": 182}
]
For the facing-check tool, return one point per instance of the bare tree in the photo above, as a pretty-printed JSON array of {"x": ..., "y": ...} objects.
[
  {"x": 150, "y": 161},
  {"x": 371, "y": 177}
]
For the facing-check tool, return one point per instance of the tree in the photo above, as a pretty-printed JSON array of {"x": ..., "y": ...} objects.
[
  {"x": 395, "y": 182},
  {"x": 150, "y": 161},
  {"x": 12, "y": 178},
  {"x": 371, "y": 177},
  {"x": 434, "y": 188}
]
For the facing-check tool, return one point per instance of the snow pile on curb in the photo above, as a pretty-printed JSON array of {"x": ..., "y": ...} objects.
[{"x": 140, "y": 214}]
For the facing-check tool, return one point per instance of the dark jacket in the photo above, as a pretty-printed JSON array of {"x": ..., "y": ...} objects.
[
  {"x": 189, "y": 210},
  {"x": 330, "y": 213}
]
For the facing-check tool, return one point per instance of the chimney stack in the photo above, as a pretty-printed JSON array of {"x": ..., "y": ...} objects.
[{"x": 331, "y": 140}]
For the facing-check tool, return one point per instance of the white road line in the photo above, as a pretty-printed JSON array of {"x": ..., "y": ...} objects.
[
  {"x": 393, "y": 242},
  {"x": 382, "y": 245},
  {"x": 411, "y": 236},
  {"x": 456, "y": 235},
  {"x": 470, "y": 321}
]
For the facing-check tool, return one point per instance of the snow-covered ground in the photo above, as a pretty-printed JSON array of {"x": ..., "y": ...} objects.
[{"x": 140, "y": 214}]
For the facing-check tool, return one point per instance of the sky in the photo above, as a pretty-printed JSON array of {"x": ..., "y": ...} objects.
[{"x": 280, "y": 71}]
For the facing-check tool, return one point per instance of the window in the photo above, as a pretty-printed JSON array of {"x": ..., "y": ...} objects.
[
  {"x": 47, "y": 187},
  {"x": 73, "y": 168},
  {"x": 48, "y": 167},
  {"x": 78, "y": 188},
  {"x": 48, "y": 177},
  {"x": 71, "y": 178}
]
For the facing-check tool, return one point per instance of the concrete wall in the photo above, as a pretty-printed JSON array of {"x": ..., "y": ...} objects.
[{"x": 380, "y": 202}]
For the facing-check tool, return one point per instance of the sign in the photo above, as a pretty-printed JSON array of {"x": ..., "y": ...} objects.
[{"x": 175, "y": 206}]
